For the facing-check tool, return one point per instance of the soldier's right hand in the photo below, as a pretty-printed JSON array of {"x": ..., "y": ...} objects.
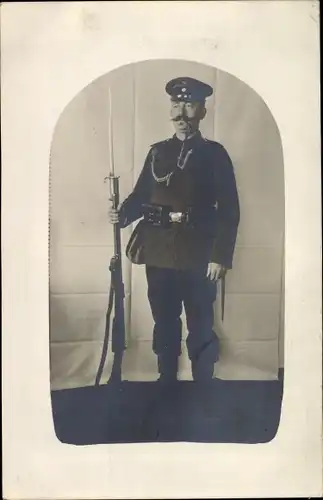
[{"x": 113, "y": 216}]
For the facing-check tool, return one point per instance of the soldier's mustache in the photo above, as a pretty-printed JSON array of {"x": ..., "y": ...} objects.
[{"x": 180, "y": 119}]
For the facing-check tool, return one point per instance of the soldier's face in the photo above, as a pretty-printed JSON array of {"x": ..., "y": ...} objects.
[{"x": 186, "y": 116}]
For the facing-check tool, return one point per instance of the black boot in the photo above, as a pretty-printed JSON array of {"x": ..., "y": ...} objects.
[
  {"x": 167, "y": 367},
  {"x": 203, "y": 361},
  {"x": 202, "y": 371}
]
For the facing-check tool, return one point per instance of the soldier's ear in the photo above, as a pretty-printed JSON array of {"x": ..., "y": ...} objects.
[{"x": 202, "y": 111}]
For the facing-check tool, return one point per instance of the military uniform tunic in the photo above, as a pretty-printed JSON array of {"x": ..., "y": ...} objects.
[
  {"x": 206, "y": 181},
  {"x": 196, "y": 174}
]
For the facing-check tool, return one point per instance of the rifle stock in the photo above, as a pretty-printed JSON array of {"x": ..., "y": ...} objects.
[{"x": 116, "y": 295}]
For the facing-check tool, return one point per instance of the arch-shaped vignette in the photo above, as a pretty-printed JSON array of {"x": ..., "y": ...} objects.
[{"x": 134, "y": 118}]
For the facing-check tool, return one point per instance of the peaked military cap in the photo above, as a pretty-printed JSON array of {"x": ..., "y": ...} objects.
[{"x": 188, "y": 89}]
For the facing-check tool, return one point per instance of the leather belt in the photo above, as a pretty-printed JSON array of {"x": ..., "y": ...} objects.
[{"x": 161, "y": 215}]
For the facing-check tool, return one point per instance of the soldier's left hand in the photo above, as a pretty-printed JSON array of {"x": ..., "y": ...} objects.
[{"x": 215, "y": 271}]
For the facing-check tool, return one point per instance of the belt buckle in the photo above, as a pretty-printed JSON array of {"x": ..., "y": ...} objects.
[{"x": 177, "y": 217}]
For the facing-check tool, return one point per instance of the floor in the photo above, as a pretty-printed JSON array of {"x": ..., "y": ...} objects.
[{"x": 137, "y": 412}]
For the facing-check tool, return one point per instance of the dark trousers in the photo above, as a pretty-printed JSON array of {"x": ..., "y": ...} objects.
[{"x": 168, "y": 291}]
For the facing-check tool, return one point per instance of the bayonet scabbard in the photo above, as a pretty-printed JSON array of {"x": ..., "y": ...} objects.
[{"x": 222, "y": 297}]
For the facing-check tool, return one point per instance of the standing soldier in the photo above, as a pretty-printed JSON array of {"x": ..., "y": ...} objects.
[{"x": 187, "y": 199}]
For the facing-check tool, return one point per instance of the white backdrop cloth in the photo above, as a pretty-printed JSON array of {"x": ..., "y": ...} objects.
[{"x": 81, "y": 238}]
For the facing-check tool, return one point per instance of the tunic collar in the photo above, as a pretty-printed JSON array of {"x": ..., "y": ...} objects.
[{"x": 189, "y": 143}]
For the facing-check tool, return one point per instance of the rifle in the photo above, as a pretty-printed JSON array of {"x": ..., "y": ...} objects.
[{"x": 116, "y": 293}]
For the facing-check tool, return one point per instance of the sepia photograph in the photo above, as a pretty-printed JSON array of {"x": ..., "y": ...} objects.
[
  {"x": 161, "y": 250},
  {"x": 166, "y": 259}
]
